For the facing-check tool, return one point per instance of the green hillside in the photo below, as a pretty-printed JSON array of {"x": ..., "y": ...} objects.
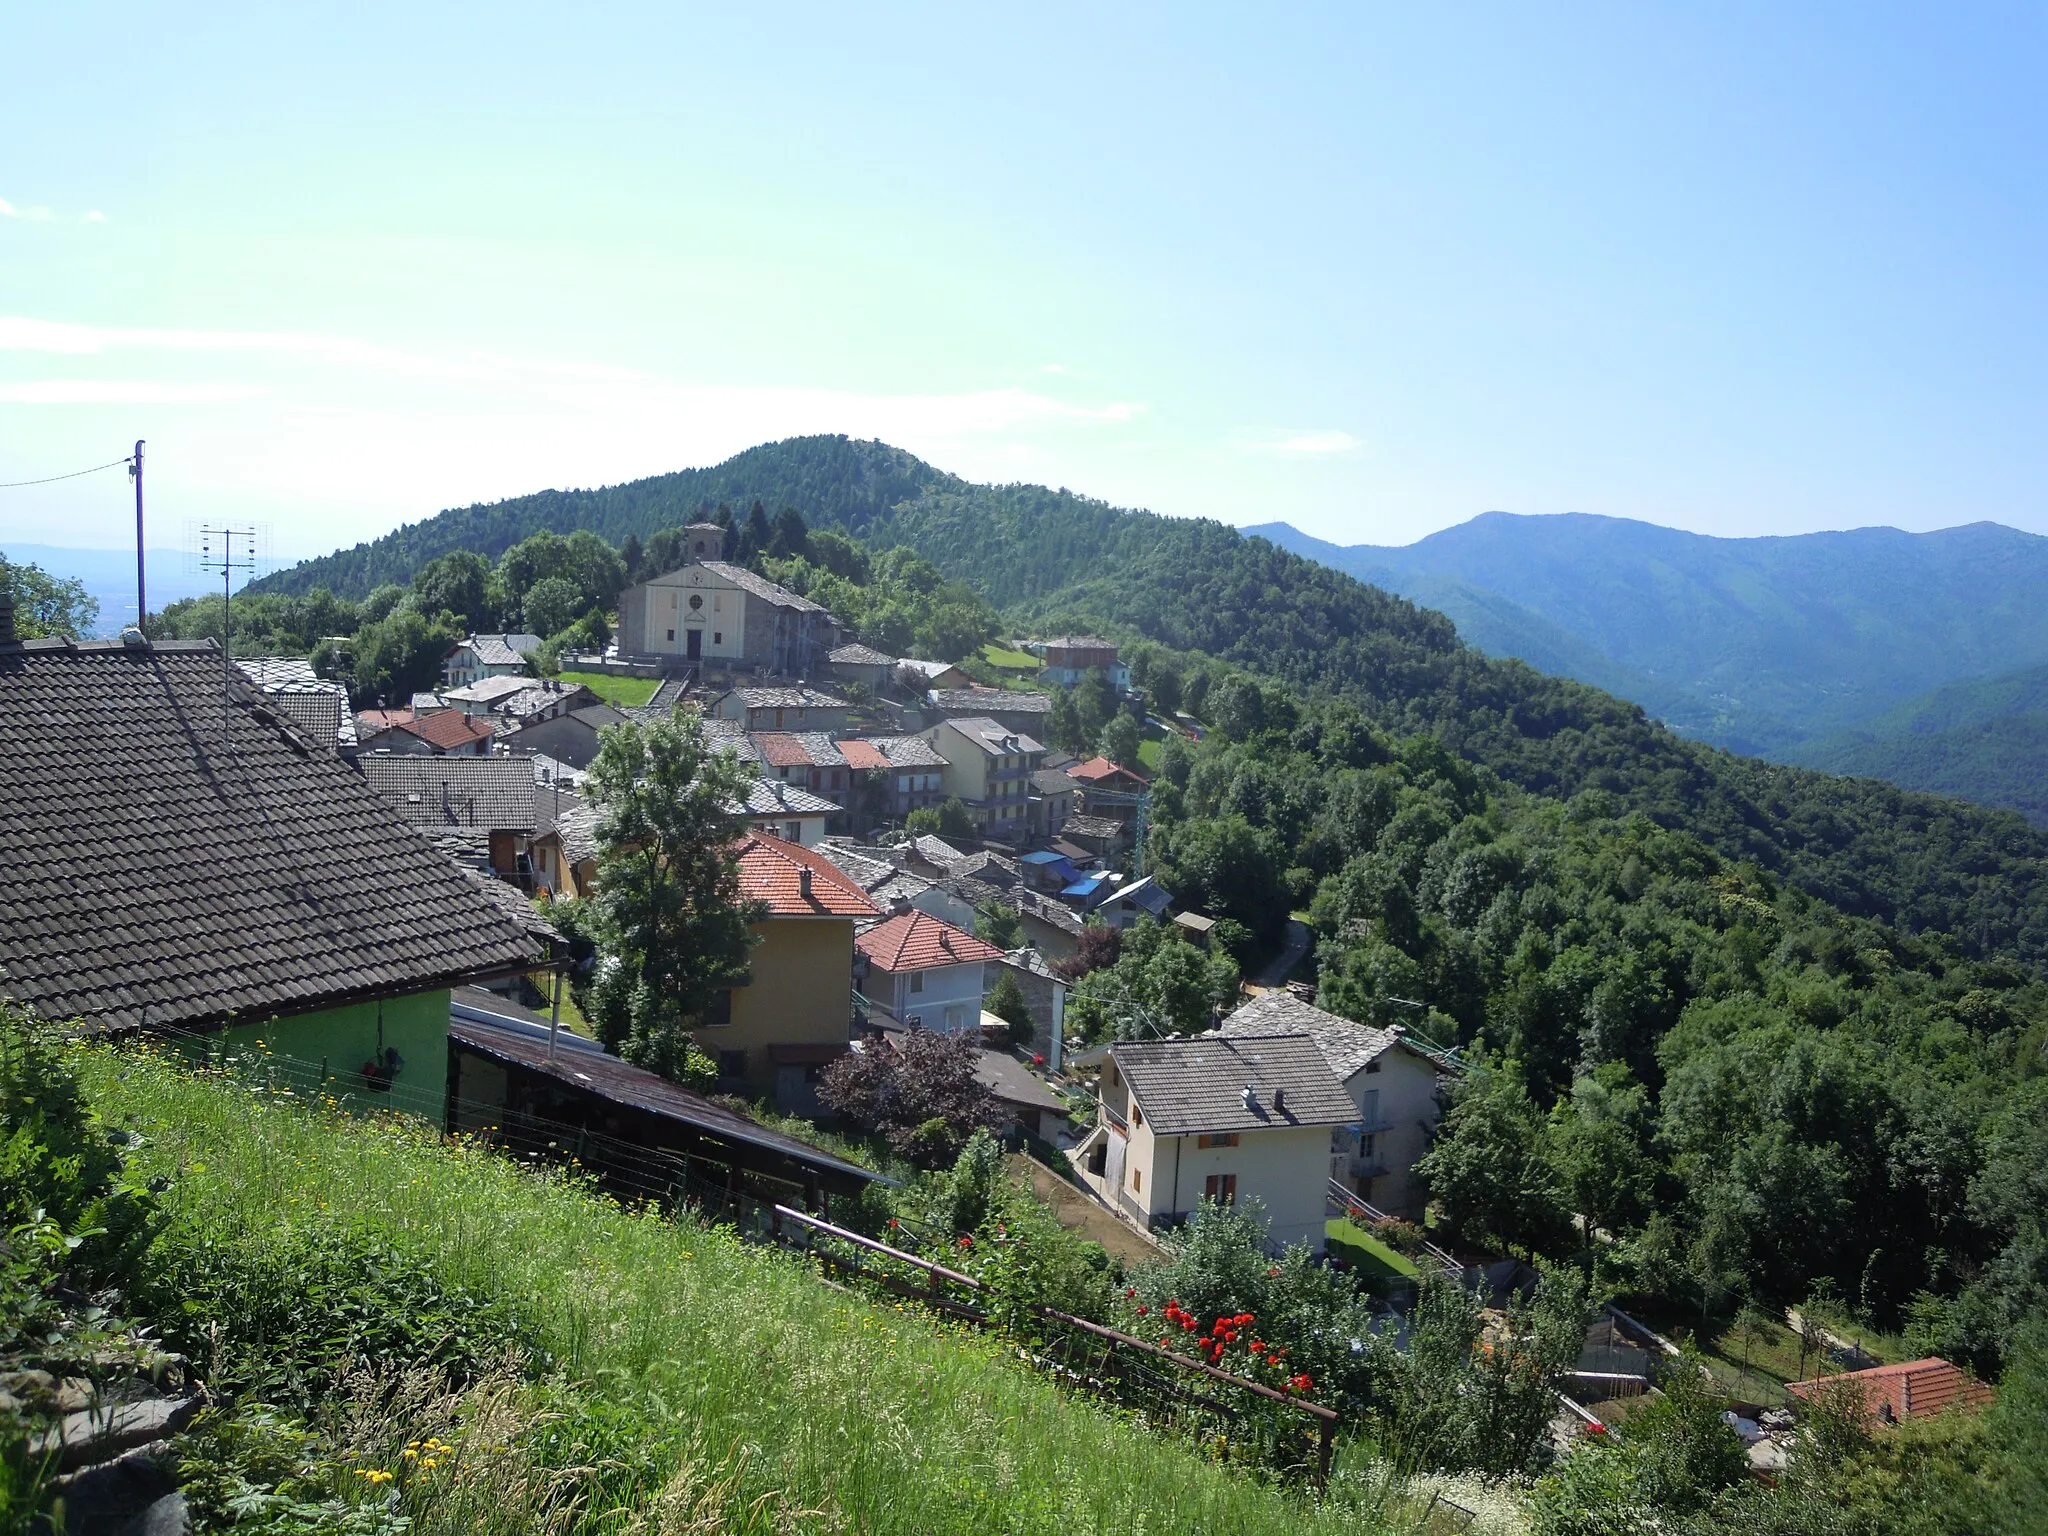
[
  {"x": 1985, "y": 740},
  {"x": 1056, "y": 558}
]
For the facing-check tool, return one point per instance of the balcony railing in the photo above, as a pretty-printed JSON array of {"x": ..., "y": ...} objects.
[{"x": 1114, "y": 1121}]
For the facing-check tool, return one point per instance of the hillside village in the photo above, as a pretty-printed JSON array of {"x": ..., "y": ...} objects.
[{"x": 955, "y": 939}]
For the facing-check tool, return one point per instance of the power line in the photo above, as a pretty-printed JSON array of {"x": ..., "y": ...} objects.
[{"x": 15, "y": 485}]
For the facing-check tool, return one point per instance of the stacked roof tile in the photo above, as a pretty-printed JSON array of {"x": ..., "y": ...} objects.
[
  {"x": 1214, "y": 1084},
  {"x": 797, "y": 882},
  {"x": 179, "y": 856},
  {"x": 917, "y": 941}
]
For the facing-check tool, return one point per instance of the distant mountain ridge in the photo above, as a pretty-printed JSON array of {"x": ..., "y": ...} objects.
[{"x": 1755, "y": 644}]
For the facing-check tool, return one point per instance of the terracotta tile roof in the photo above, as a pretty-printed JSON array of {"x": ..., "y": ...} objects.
[
  {"x": 917, "y": 941},
  {"x": 1189, "y": 1087},
  {"x": 370, "y": 721},
  {"x": 1097, "y": 769},
  {"x": 155, "y": 879},
  {"x": 863, "y": 754},
  {"x": 1912, "y": 1390},
  {"x": 780, "y": 750},
  {"x": 795, "y": 882},
  {"x": 448, "y": 729}
]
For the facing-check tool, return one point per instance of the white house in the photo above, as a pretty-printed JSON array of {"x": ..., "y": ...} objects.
[
  {"x": 1393, "y": 1085},
  {"x": 482, "y": 656},
  {"x": 1219, "y": 1119},
  {"x": 923, "y": 972}
]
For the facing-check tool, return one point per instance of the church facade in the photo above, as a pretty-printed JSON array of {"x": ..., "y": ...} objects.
[{"x": 712, "y": 614}]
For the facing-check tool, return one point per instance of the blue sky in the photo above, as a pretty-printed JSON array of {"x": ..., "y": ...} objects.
[{"x": 1371, "y": 270}]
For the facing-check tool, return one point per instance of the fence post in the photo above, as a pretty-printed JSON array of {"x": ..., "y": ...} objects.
[{"x": 1325, "y": 1438}]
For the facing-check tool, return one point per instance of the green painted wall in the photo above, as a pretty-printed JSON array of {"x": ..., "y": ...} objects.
[{"x": 324, "y": 1052}]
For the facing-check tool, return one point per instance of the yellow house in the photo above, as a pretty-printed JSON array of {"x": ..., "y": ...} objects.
[
  {"x": 1223, "y": 1120},
  {"x": 776, "y": 1034}
]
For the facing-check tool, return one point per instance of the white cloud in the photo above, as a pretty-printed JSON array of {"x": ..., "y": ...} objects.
[
  {"x": 1052, "y": 368},
  {"x": 1312, "y": 442},
  {"x": 120, "y": 392},
  {"x": 35, "y": 214},
  {"x": 94, "y": 216}
]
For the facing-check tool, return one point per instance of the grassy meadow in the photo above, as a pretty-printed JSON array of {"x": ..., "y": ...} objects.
[{"x": 709, "y": 1386}]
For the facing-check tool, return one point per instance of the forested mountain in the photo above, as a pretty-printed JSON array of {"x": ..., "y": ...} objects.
[
  {"x": 1055, "y": 558},
  {"x": 1754, "y": 644},
  {"x": 1985, "y": 740}
]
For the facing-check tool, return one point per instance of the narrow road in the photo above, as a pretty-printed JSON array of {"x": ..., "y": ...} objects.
[{"x": 1274, "y": 976}]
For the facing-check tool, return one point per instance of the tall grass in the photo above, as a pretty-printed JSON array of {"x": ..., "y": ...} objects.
[{"x": 871, "y": 1417}]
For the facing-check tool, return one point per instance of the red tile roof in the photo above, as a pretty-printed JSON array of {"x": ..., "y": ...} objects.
[
  {"x": 772, "y": 870},
  {"x": 369, "y": 721},
  {"x": 863, "y": 754},
  {"x": 448, "y": 729},
  {"x": 1909, "y": 1391},
  {"x": 782, "y": 750},
  {"x": 917, "y": 941},
  {"x": 1099, "y": 768}
]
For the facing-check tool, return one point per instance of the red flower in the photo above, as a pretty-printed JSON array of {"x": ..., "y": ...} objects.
[
  {"x": 1141, "y": 1309},
  {"x": 1258, "y": 1346},
  {"x": 892, "y": 1221},
  {"x": 1230, "y": 1337},
  {"x": 966, "y": 1242},
  {"x": 1596, "y": 1428},
  {"x": 1273, "y": 1273},
  {"x": 1038, "y": 1061},
  {"x": 1130, "y": 1290}
]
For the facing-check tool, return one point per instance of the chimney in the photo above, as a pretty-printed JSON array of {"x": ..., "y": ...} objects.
[
  {"x": 803, "y": 881},
  {"x": 1279, "y": 1100},
  {"x": 1251, "y": 1098},
  {"x": 6, "y": 614}
]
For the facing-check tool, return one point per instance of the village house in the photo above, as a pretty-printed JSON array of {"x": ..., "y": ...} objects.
[
  {"x": 518, "y": 699},
  {"x": 1915, "y": 1389},
  {"x": 989, "y": 768},
  {"x": 446, "y": 732},
  {"x": 710, "y": 613},
  {"x": 1394, "y": 1087},
  {"x": 905, "y": 772},
  {"x": 789, "y": 811},
  {"x": 1107, "y": 789},
  {"x": 772, "y": 1037},
  {"x": 808, "y": 759},
  {"x": 482, "y": 656},
  {"x": 919, "y": 678},
  {"x": 1022, "y": 713},
  {"x": 1128, "y": 902},
  {"x": 862, "y": 664},
  {"x": 1045, "y": 999},
  {"x": 1096, "y": 837},
  {"x": 571, "y": 737},
  {"x": 183, "y": 862},
  {"x": 487, "y": 807},
  {"x": 794, "y": 707},
  {"x": 1070, "y": 658},
  {"x": 918, "y": 971},
  {"x": 1054, "y": 799},
  {"x": 1218, "y": 1119},
  {"x": 1034, "y": 1109}
]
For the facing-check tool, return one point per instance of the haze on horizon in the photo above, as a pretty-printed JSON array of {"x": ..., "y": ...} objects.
[{"x": 1366, "y": 271}]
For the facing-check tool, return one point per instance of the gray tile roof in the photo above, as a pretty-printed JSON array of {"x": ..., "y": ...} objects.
[
  {"x": 495, "y": 794},
  {"x": 907, "y": 751},
  {"x": 1346, "y": 1045},
  {"x": 771, "y": 797},
  {"x": 319, "y": 707},
  {"x": 858, "y": 655},
  {"x": 761, "y": 587},
  {"x": 1014, "y": 1083},
  {"x": 490, "y": 692},
  {"x": 1190, "y": 1087},
  {"x": 155, "y": 877},
  {"x": 993, "y": 738},
  {"x": 1010, "y": 702},
  {"x": 797, "y": 696},
  {"x": 504, "y": 650},
  {"x": 1054, "y": 781}
]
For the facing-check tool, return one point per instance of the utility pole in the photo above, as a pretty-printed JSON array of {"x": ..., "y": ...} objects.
[{"x": 141, "y": 585}]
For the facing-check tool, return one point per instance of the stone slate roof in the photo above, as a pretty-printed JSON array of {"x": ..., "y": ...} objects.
[
  {"x": 506, "y": 650},
  {"x": 935, "y": 851},
  {"x": 917, "y": 941},
  {"x": 993, "y": 738},
  {"x": 1346, "y": 1045},
  {"x": 796, "y": 696},
  {"x": 1014, "y": 1083},
  {"x": 1102, "y": 827},
  {"x": 858, "y": 655},
  {"x": 797, "y": 882},
  {"x": 771, "y": 797},
  {"x": 982, "y": 700},
  {"x": 993, "y": 868},
  {"x": 157, "y": 878},
  {"x": 761, "y": 587},
  {"x": 492, "y": 793},
  {"x": 491, "y": 691},
  {"x": 318, "y": 706},
  {"x": 1054, "y": 781},
  {"x": 1191, "y": 1087},
  {"x": 799, "y": 749},
  {"x": 907, "y": 751}
]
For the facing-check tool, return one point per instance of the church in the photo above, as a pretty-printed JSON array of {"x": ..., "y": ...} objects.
[{"x": 712, "y": 614}]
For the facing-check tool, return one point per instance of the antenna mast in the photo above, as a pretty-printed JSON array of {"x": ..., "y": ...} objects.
[
  {"x": 141, "y": 586},
  {"x": 217, "y": 552}
]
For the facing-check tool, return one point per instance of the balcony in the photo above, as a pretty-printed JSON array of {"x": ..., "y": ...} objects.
[{"x": 1115, "y": 1121}]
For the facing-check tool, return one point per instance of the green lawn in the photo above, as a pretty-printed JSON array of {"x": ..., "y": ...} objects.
[
  {"x": 1366, "y": 1253},
  {"x": 625, "y": 692},
  {"x": 867, "y": 1416},
  {"x": 1015, "y": 661},
  {"x": 1148, "y": 754}
]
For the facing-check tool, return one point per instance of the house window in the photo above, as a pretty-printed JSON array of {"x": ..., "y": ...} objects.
[
  {"x": 1137, "y": 1178},
  {"x": 778, "y": 719},
  {"x": 1227, "y": 1139},
  {"x": 718, "y": 1012},
  {"x": 792, "y": 832},
  {"x": 1137, "y": 1114},
  {"x": 1372, "y": 1066},
  {"x": 671, "y": 634},
  {"x": 732, "y": 1063},
  {"x": 717, "y": 638},
  {"x": 1365, "y": 1147},
  {"x": 916, "y": 982},
  {"x": 1221, "y": 1188}
]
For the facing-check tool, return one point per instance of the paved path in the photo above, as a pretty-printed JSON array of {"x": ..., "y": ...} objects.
[{"x": 1274, "y": 976}]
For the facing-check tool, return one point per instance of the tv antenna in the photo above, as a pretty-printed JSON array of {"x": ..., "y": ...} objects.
[{"x": 228, "y": 550}]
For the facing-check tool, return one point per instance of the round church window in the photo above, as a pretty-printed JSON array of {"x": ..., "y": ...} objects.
[{"x": 696, "y": 601}]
